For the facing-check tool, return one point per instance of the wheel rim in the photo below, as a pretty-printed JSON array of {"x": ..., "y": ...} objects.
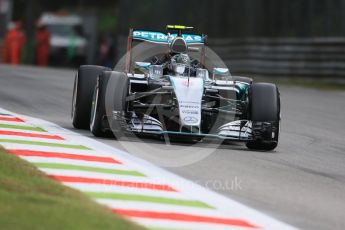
[
  {"x": 94, "y": 107},
  {"x": 279, "y": 127},
  {"x": 74, "y": 100}
]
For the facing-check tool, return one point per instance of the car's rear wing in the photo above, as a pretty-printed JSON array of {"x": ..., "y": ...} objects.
[{"x": 161, "y": 38}]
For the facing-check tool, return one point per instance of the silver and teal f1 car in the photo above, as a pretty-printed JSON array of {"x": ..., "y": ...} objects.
[{"x": 174, "y": 94}]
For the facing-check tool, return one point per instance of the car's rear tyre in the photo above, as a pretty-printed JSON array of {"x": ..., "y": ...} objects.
[
  {"x": 99, "y": 125},
  {"x": 264, "y": 105},
  {"x": 84, "y": 84}
]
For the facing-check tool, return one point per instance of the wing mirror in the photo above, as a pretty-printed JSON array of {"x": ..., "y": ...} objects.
[
  {"x": 221, "y": 74},
  {"x": 142, "y": 66},
  {"x": 193, "y": 49}
]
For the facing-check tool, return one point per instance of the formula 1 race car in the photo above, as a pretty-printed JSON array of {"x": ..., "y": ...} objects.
[{"x": 173, "y": 94}]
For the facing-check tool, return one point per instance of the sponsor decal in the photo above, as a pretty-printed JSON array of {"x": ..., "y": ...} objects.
[
  {"x": 189, "y": 99},
  {"x": 188, "y": 107},
  {"x": 164, "y": 38},
  {"x": 190, "y": 120}
]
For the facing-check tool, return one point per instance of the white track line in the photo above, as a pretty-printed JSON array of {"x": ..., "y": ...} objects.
[
  {"x": 125, "y": 190},
  {"x": 34, "y": 159},
  {"x": 223, "y": 205}
]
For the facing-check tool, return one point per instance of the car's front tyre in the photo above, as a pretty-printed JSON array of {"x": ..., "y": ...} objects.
[
  {"x": 109, "y": 98},
  {"x": 264, "y": 112},
  {"x": 99, "y": 124}
]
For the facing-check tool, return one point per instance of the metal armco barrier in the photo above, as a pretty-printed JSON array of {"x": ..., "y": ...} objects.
[
  {"x": 319, "y": 57},
  {"x": 292, "y": 57}
]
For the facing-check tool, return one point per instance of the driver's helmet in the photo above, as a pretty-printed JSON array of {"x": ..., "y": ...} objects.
[
  {"x": 180, "y": 63},
  {"x": 180, "y": 59}
]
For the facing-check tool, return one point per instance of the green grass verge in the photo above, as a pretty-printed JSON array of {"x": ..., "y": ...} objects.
[
  {"x": 30, "y": 200},
  {"x": 305, "y": 82}
]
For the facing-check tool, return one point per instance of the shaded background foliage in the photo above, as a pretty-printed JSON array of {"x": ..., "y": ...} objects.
[
  {"x": 276, "y": 37},
  {"x": 245, "y": 18},
  {"x": 221, "y": 18}
]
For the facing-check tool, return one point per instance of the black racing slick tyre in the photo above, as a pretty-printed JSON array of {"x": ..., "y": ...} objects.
[
  {"x": 264, "y": 106},
  {"x": 84, "y": 84},
  {"x": 118, "y": 89},
  {"x": 99, "y": 124}
]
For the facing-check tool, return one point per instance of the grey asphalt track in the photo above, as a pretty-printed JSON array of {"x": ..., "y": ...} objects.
[{"x": 302, "y": 183}]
